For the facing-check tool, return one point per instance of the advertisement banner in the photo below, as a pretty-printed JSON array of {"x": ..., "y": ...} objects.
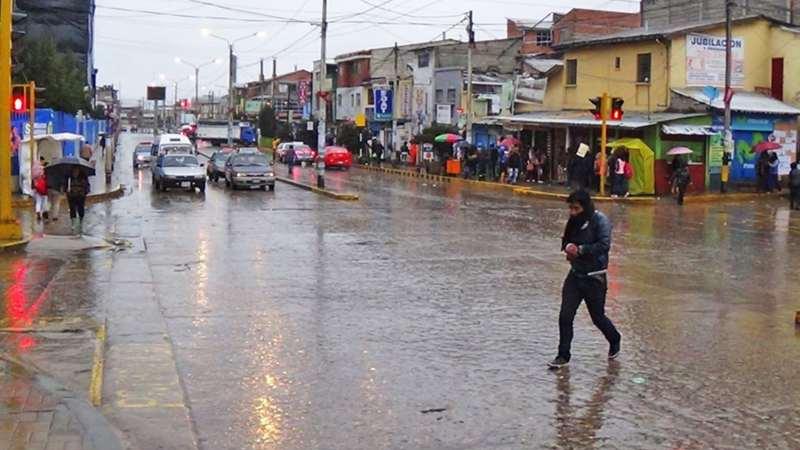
[
  {"x": 715, "y": 150},
  {"x": 252, "y": 106},
  {"x": 384, "y": 105},
  {"x": 404, "y": 97},
  {"x": 443, "y": 115},
  {"x": 705, "y": 61}
]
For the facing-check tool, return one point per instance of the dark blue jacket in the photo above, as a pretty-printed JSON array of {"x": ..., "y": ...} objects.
[{"x": 594, "y": 241}]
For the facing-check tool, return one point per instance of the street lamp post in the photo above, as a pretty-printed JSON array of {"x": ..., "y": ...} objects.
[
  {"x": 231, "y": 72},
  {"x": 197, "y": 68}
]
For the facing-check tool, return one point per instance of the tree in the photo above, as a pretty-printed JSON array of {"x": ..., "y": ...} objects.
[
  {"x": 348, "y": 137},
  {"x": 59, "y": 74},
  {"x": 267, "y": 122}
]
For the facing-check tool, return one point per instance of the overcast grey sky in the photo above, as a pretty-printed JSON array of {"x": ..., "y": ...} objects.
[{"x": 133, "y": 45}]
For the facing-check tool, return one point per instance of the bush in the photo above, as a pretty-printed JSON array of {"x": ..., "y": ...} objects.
[
  {"x": 348, "y": 137},
  {"x": 267, "y": 122}
]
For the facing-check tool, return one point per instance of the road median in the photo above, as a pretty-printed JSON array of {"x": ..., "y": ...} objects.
[{"x": 316, "y": 190}]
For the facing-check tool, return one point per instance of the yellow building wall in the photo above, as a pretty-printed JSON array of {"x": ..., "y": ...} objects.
[
  {"x": 597, "y": 74},
  {"x": 785, "y": 44}
]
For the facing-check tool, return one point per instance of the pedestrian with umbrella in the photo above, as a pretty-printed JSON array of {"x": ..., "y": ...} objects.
[
  {"x": 794, "y": 186},
  {"x": 72, "y": 175},
  {"x": 680, "y": 178},
  {"x": 586, "y": 242}
]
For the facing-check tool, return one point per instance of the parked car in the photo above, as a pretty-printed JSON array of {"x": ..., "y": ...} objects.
[
  {"x": 178, "y": 171},
  {"x": 338, "y": 157},
  {"x": 249, "y": 170},
  {"x": 248, "y": 150},
  {"x": 141, "y": 154},
  {"x": 215, "y": 169},
  {"x": 302, "y": 152}
]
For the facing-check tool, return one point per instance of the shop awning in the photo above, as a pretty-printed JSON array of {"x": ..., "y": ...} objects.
[
  {"x": 687, "y": 130},
  {"x": 742, "y": 101},
  {"x": 631, "y": 119}
]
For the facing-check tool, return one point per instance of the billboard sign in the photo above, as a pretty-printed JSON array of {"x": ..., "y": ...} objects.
[
  {"x": 384, "y": 105},
  {"x": 705, "y": 61},
  {"x": 156, "y": 92}
]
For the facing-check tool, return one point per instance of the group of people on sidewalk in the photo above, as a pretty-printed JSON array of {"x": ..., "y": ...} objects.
[
  {"x": 75, "y": 187},
  {"x": 584, "y": 170},
  {"x": 501, "y": 163}
]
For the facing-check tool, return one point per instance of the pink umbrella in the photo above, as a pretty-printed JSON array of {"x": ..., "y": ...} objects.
[
  {"x": 510, "y": 141},
  {"x": 766, "y": 146},
  {"x": 680, "y": 151}
]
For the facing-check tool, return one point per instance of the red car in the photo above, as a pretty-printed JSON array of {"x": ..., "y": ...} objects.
[{"x": 338, "y": 157}]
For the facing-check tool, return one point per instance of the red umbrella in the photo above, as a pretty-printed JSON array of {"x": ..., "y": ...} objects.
[
  {"x": 766, "y": 146},
  {"x": 510, "y": 141}
]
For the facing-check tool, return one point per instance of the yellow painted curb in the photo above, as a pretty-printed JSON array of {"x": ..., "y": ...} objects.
[
  {"x": 316, "y": 190},
  {"x": 96, "y": 384},
  {"x": 13, "y": 245}
]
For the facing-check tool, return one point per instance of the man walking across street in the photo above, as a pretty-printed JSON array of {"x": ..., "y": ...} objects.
[
  {"x": 586, "y": 242},
  {"x": 794, "y": 186}
]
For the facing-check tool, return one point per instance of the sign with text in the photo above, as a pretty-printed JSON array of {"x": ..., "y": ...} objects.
[
  {"x": 384, "y": 107},
  {"x": 443, "y": 114},
  {"x": 705, "y": 61}
]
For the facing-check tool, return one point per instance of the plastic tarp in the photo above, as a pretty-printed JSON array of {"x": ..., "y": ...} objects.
[{"x": 642, "y": 158}]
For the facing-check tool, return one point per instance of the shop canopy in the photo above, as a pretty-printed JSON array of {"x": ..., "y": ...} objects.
[
  {"x": 642, "y": 158},
  {"x": 631, "y": 119},
  {"x": 687, "y": 130}
]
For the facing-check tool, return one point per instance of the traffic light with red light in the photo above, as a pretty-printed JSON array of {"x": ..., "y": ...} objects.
[
  {"x": 616, "y": 108},
  {"x": 19, "y": 101},
  {"x": 596, "y": 111}
]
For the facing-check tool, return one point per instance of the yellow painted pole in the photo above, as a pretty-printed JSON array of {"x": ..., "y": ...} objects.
[
  {"x": 605, "y": 108},
  {"x": 9, "y": 227},
  {"x": 31, "y": 97}
]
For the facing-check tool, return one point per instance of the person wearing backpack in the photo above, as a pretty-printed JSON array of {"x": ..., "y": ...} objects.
[
  {"x": 76, "y": 186},
  {"x": 794, "y": 187},
  {"x": 40, "y": 194}
]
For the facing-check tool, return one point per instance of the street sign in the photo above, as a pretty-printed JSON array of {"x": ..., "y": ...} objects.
[{"x": 384, "y": 108}]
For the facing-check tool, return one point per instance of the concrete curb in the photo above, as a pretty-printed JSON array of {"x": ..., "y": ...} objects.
[
  {"x": 118, "y": 191},
  {"x": 316, "y": 190},
  {"x": 516, "y": 189},
  {"x": 101, "y": 434},
  {"x": 13, "y": 245}
]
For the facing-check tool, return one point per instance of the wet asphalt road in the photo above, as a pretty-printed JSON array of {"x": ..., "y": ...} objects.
[{"x": 422, "y": 316}]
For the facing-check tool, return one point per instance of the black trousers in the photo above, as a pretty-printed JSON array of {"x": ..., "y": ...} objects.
[
  {"x": 77, "y": 206},
  {"x": 592, "y": 290}
]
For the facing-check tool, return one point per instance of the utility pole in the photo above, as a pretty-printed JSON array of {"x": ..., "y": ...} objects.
[
  {"x": 395, "y": 96},
  {"x": 272, "y": 84},
  {"x": 197, "y": 93},
  {"x": 231, "y": 80},
  {"x": 323, "y": 102},
  {"x": 261, "y": 72},
  {"x": 175, "y": 103},
  {"x": 10, "y": 229},
  {"x": 728, "y": 137},
  {"x": 471, "y": 35}
]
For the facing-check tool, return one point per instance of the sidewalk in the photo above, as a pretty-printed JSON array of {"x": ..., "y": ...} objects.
[
  {"x": 561, "y": 192},
  {"x": 38, "y": 414}
]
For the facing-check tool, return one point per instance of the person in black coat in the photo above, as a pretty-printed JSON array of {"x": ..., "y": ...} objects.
[{"x": 586, "y": 242}]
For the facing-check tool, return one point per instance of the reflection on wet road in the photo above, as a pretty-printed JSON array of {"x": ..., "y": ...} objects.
[{"x": 301, "y": 322}]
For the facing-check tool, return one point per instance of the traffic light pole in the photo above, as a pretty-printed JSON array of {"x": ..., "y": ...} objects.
[
  {"x": 10, "y": 229},
  {"x": 605, "y": 107}
]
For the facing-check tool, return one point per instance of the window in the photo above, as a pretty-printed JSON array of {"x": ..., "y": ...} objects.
[
  {"x": 451, "y": 96},
  {"x": 543, "y": 37},
  {"x": 617, "y": 63},
  {"x": 339, "y": 100},
  {"x": 358, "y": 99},
  {"x": 439, "y": 96},
  {"x": 643, "y": 68},
  {"x": 572, "y": 72},
  {"x": 423, "y": 59},
  {"x": 356, "y": 68}
]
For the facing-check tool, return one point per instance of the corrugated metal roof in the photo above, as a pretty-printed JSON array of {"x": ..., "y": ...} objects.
[
  {"x": 646, "y": 34},
  {"x": 630, "y": 120},
  {"x": 543, "y": 65},
  {"x": 742, "y": 101},
  {"x": 687, "y": 130}
]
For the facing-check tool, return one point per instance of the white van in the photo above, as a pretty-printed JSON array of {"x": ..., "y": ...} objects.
[{"x": 172, "y": 144}]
